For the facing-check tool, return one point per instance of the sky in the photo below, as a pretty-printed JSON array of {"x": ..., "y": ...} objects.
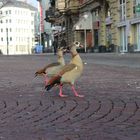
[{"x": 33, "y": 2}]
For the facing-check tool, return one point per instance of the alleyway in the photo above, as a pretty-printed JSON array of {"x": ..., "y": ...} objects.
[{"x": 110, "y": 109}]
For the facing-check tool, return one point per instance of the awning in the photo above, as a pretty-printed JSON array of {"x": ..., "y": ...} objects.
[
  {"x": 85, "y": 22},
  {"x": 135, "y": 20}
]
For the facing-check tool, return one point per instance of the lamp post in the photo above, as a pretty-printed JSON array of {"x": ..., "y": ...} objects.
[
  {"x": 85, "y": 32},
  {"x": 7, "y": 41}
]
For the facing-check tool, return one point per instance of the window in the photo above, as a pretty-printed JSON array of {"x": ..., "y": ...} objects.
[
  {"x": 136, "y": 11},
  {"x": 122, "y": 10},
  {"x": 9, "y": 11},
  {"x": 32, "y": 14},
  {"x": 1, "y": 38},
  {"x": 10, "y": 38},
  {"x": 1, "y": 30}
]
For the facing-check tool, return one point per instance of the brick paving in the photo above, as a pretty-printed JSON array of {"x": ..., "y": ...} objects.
[{"x": 110, "y": 109}]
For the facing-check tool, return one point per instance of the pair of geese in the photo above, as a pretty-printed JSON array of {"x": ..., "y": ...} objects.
[{"x": 60, "y": 73}]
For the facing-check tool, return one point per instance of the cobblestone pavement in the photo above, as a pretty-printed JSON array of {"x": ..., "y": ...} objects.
[{"x": 110, "y": 109}]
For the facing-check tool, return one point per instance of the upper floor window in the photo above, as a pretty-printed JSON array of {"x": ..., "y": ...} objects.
[
  {"x": 96, "y": 15},
  {"x": 6, "y": 12},
  {"x": 122, "y": 1},
  {"x": 136, "y": 8},
  {"x": 108, "y": 13},
  {"x": 32, "y": 14},
  {"x": 122, "y": 10},
  {"x": 10, "y": 38}
]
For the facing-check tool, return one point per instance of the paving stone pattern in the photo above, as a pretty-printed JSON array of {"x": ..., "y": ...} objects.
[{"x": 110, "y": 109}]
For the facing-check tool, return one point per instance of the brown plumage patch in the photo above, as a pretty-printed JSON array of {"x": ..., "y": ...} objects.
[
  {"x": 67, "y": 68},
  {"x": 52, "y": 65},
  {"x": 56, "y": 79},
  {"x": 42, "y": 71}
]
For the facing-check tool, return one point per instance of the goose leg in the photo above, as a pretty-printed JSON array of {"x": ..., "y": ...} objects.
[
  {"x": 46, "y": 79},
  {"x": 60, "y": 92},
  {"x": 75, "y": 92}
]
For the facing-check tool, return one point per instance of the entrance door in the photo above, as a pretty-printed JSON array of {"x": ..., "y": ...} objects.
[
  {"x": 96, "y": 37},
  {"x": 123, "y": 40}
]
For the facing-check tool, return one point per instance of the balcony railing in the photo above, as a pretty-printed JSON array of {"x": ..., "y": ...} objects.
[{"x": 50, "y": 15}]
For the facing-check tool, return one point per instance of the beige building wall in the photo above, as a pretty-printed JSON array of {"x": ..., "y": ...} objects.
[
  {"x": 102, "y": 28},
  {"x": 115, "y": 19},
  {"x": 116, "y": 23}
]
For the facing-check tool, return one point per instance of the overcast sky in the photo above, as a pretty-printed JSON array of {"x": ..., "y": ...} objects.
[{"x": 33, "y": 2}]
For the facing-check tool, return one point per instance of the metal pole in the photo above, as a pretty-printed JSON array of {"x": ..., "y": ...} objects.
[
  {"x": 85, "y": 40},
  {"x": 7, "y": 41},
  {"x": 40, "y": 36},
  {"x": 28, "y": 45}
]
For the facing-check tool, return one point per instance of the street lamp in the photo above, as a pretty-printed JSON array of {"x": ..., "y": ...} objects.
[
  {"x": 85, "y": 32},
  {"x": 7, "y": 41}
]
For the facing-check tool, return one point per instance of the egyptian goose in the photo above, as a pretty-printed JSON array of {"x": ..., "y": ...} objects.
[
  {"x": 69, "y": 73},
  {"x": 52, "y": 68}
]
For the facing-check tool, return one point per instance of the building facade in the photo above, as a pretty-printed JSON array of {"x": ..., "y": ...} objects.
[
  {"x": 114, "y": 23},
  {"x": 45, "y": 26},
  {"x": 100, "y": 25},
  {"x": 17, "y": 28},
  {"x": 63, "y": 14}
]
